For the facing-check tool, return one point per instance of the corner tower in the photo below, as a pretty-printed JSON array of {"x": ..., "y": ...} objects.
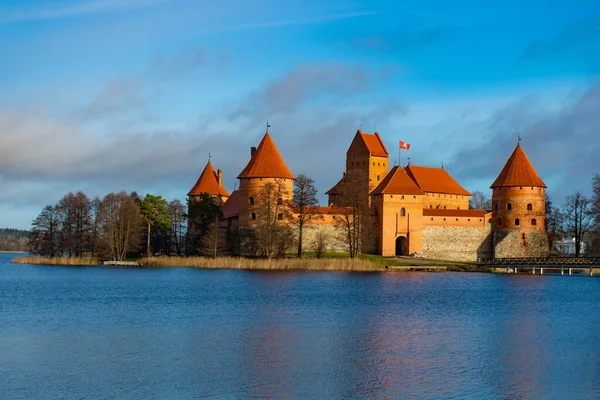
[
  {"x": 519, "y": 209},
  {"x": 265, "y": 166}
]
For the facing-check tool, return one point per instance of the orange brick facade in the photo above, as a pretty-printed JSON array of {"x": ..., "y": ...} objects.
[{"x": 403, "y": 201}]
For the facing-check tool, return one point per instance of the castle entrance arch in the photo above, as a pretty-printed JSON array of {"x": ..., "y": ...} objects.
[{"x": 401, "y": 246}]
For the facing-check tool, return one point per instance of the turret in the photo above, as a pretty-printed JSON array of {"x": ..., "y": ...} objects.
[
  {"x": 265, "y": 166},
  {"x": 518, "y": 202}
]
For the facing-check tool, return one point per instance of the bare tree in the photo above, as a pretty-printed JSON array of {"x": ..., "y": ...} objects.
[
  {"x": 120, "y": 224},
  {"x": 305, "y": 200},
  {"x": 176, "y": 215},
  {"x": 96, "y": 215},
  {"x": 355, "y": 214},
  {"x": 554, "y": 222},
  {"x": 272, "y": 212},
  {"x": 320, "y": 244},
  {"x": 44, "y": 234},
  {"x": 577, "y": 218},
  {"x": 479, "y": 201}
]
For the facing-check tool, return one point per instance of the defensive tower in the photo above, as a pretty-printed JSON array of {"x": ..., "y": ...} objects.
[
  {"x": 265, "y": 166},
  {"x": 519, "y": 209}
]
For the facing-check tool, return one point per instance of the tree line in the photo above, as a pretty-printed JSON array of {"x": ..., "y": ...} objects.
[
  {"x": 114, "y": 227},
  {"x": 13, "y": 240},
  {"x": 122, "y": 225}
]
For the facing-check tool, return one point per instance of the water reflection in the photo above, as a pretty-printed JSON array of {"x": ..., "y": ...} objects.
[{"x": 192, "y": 333}]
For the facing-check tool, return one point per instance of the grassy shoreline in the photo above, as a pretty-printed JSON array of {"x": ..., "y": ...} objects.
[{"x": 366, "y": 263}]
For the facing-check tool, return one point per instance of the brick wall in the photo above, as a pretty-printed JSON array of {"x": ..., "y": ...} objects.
[{"x": 457, "y": 243}]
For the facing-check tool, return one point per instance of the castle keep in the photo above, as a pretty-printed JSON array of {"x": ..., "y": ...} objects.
[{"x": 413, "y": 210}]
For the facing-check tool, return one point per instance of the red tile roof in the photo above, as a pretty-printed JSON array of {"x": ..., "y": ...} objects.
[
  {"x": 231, "y": 208},
  {"x": 397, "y": 182},
  {"x": 518, "y": 171},
  {"x": 374, "y": 143},
  {"x": 436, "y": 212},
  {"x": 266, "y": 162},
  {"x": 208, "y": 183},
  {"x": 435, "y": 180}
]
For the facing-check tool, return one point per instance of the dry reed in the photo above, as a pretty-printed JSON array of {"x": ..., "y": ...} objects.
[
  {"x": 286, "y": 264},
  {"x": 73, "y": 261}
]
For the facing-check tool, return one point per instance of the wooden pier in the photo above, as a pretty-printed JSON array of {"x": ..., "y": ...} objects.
[{"x": 564, "y": 265}]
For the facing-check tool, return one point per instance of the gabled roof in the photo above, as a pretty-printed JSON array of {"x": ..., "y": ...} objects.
[
  {"x": 373, "y": 143},
  {"x": 231, "y": 208},
  {"x": 397, "y": 182},
  {"x": 208, "y": 183},
  {"x": 435, "y": 180},
  {"x": 335, "y": 188},
  {"x": 518, "y": 171},
  {"x": 266, "y": 162}
]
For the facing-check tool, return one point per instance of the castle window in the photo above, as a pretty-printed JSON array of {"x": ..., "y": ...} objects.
[
  {"x": 279, "y": 201},
  {"x": 456, "y": 219},
  {"x": 373, "y": 163},
  {"x": 280, "y": 217},
  {"x": 432, "y": 218},
  {"x": 469, "y": 219},
  {"x": 523, "y": 236},
  {"x": 499, "y": 221},
  {"x": 251, "y": 201},
  {"x": 509, "y": 206},
  {"x": 496, "y": 206},
  {"x": 517, "y": 222},
  {"x": 253, "y": 216},
  {"x": 529, "y": 207},
  {"x": 402, "y": 198},
  {"x": 430, "y": 206},
  {"x": 444, "y": 219},
  {"x": 444, "y": 207},
  {"x": 384, "y": 164},
  {"x": 533, "y": 222},
  {"x": 379, "y": 164},
  {"x": 377, "y": 177},
  {"x": 402, "y": 212}
]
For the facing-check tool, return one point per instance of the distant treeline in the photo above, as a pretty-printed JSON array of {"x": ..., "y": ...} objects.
[
  {"x": 117, "y": 226},
  {"x": 13, "y": 240}
]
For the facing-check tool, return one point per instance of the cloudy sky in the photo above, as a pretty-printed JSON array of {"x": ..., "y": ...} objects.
[{"x": 109, "y": 95}]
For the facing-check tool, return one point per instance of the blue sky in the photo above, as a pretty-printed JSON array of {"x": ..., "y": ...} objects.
[{"x": 110, "y": 95}]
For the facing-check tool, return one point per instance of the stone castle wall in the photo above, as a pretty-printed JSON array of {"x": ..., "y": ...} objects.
[
  {"x": 335, "y": 237},
  {"x": 457, "y": 243},
  {"x": 509, "y": 243}
]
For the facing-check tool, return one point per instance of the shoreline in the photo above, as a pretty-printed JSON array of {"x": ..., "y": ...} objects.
[{"x": 285, "y": 264}]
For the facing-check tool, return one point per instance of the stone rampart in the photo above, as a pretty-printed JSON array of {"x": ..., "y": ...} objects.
[
  {"x": 510, "y": 243},
  {"x": 457, "y": 243}
]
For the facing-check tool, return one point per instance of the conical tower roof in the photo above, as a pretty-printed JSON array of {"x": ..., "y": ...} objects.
[
  {"x": 208, "y": 183},
  {"x": 397, "y": 182},
  {"x": 266, "y": 162},
  {"x": 518, "y": 171}
]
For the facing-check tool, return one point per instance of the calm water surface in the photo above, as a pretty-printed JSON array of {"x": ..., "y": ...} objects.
[{"x": 104, "y": 333}]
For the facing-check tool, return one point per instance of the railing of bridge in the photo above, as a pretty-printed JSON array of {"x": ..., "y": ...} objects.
[{"x": 547, "y": 261}]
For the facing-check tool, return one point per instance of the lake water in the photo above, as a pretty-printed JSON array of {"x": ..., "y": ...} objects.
[{"x": 101, "y": 333}]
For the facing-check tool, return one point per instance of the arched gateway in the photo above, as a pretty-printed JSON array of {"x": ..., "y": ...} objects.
[{"x": 401, "y": 246}]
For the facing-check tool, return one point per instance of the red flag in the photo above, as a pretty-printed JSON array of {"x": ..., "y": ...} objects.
[{"x": 404, "y": 146}]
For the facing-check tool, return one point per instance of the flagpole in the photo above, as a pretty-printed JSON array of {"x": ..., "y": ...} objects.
[{"x": 399, "y": 162}]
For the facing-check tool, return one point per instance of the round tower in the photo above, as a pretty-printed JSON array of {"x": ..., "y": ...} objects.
[
  {"x": 519, "y": 210},
  {"x": 265, "y": 166}
]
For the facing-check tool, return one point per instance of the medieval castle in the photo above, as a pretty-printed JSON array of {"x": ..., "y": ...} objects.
[{"x": 413, "y": 210}]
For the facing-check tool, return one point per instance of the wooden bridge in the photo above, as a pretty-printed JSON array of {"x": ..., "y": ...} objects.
[{"x": 552, "y": 264}]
